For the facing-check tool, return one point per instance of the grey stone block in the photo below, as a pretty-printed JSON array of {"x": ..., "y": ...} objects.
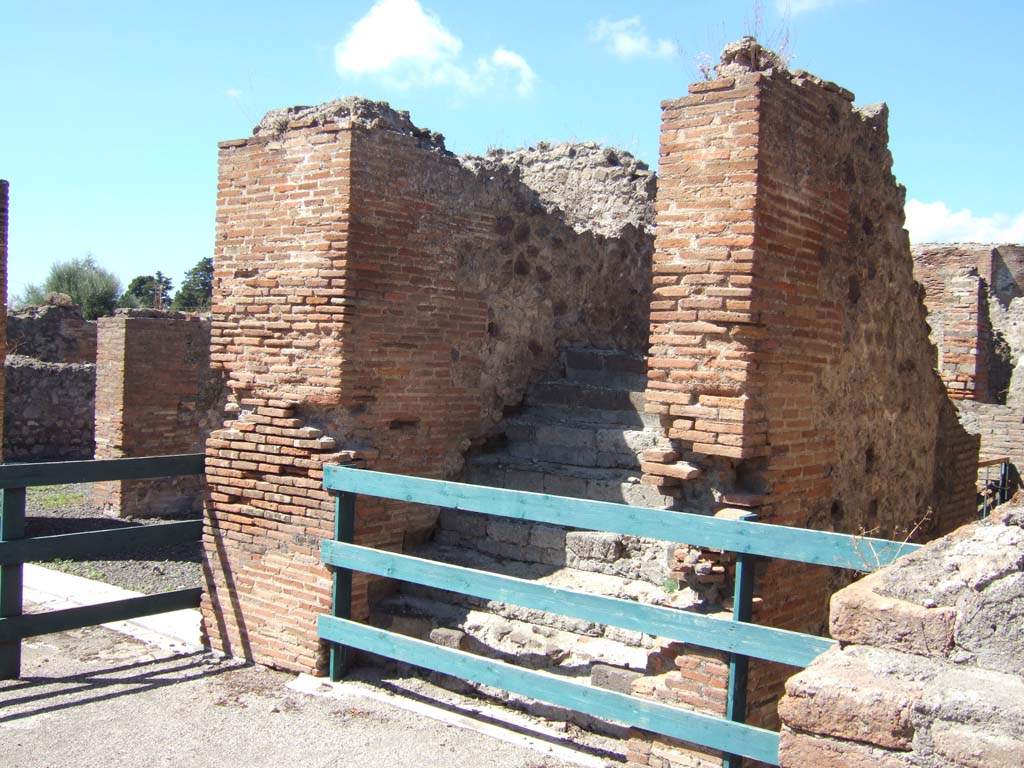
[
  {"x": 565, "y": 485},
  {"x": 613, "y": 678},
  {"x": 547, "y": 536},
  {"x": 449, "y": 638},
  {"x": 525, "y": 480},
  {"x": 593, "y": 545},
  {"x": 559, "y": 454},
  {"x": 508, "y": 531},
  {"x": 565, "y": 436}
]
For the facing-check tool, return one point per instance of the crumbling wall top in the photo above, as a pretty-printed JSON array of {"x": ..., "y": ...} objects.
[
  {"x": 748, "y": 55},
  {"x": 597, "y": 189},
  {"x": 153, "y": 314},
  {"x": 349, "y": 111}
]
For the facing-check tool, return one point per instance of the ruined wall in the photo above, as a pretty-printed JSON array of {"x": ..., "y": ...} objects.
[
  {"x": 50, "y": 410},
  {"x": 976, "y": 325},
  {"x": 50, "y": 383},
  {"x": 1000, "y": 427},
  {"x": 377, "y": 297},
  {"x": 929, "y": 669},
  {"x": 975, "y": 299},
  {"x": 787, "y": 333},
  {"x": 54, "y": 332},
  {"x": 155, "y": 395}
]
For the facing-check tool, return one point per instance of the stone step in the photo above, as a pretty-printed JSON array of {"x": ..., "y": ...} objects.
[
  {"x": 501, "y": 469},
  {"x": 546, "y": 639},
  {"x": 575, "y": 394},
  {"x": 608, "y": 379},
  {"x": 605, "y": 368},
  {"x": 573, "y": 414},
  {"x": 591, "y": 445},
  {"x": 543, "y": 546},
  {"x": 528, "y": 643}
]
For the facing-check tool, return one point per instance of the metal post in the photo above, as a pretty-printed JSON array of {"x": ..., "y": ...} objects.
[
  {"x": 986, "y": 493},
  {"x": 742, "y": 610},
  {"x": 12, "y": 526},
  {"x": 341, "y": 600}
]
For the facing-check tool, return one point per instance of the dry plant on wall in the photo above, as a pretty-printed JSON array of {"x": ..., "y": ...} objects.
[
  {"x": 778, "y": 40},
  {"x": 870, "y": 557}
]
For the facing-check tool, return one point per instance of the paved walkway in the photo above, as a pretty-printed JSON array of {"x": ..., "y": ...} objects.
[{"x": 96, "y": 697}]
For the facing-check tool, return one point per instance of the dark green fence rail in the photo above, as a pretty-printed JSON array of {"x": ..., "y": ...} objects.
[
  {"x": 739, "y": 637},
  {"x": 16, "y": 549}
]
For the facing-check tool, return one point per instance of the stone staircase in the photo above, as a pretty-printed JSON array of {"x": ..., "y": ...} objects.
[{"x": 580, "y": 433}]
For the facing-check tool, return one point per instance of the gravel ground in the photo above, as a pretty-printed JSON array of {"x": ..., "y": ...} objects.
[
  {"x": 52, "y": 510},
  {"x": 53, "y": 681},
  {"x": 93, "y": 698}
]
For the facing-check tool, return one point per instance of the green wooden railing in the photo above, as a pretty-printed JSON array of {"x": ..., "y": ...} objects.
[
  {"x": 16, "y": 549},
  {"x": 738, "y": 637}
]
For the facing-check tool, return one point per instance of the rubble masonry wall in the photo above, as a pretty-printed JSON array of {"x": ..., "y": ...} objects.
[
  {"x": 50, "y": 410},
  {"x": 55, "y": 332},
  {"x": 50, "y": 384},
  {"x": 378, "y": 299}
]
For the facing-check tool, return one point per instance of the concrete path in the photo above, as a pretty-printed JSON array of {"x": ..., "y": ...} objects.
[{"x": 96, "y": 697}]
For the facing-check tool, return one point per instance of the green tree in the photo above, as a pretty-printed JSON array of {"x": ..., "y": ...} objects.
[
  {"x": 90, "y": 286},
  {"x": 196, "y": 292},
  {"x": 142, "y": 291},
  {"x": 31, "y": 296}
]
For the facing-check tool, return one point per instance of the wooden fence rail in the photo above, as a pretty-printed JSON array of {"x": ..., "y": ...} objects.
[
  {"x": 739, "y": 637},
  {"x": 17, "y": 549}
]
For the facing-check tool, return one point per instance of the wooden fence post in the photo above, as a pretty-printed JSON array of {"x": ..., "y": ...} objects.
[
  {"x": 12, "y": 526},
  {"x": 341, "y": 598}
]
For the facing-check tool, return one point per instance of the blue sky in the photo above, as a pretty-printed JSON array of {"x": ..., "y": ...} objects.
[{"x": 110, "y": 112}]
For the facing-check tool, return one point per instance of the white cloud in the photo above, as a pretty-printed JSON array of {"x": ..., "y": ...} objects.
[
  {"x": 404, "y": 46},
  {"x": 796, "y": 7},
  {"x": 513, "y": 61},
  {"x": 627, "y": 39},
  {"x": 936, "y": 223},
  {"x": 235, "y": 94}
]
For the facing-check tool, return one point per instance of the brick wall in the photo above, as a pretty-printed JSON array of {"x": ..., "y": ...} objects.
[
  {"x": 956, "y": 295},
  {"x": 787, "y": 334},
  {"x": 375, "y": 298},
  {"x": 976, "y": 313},
  {"x": 1000, "y": 427},
  {"x": 155, "y": 395},
  {"x": 4, "y": 192},
  {"x": 975, "y": 299}
]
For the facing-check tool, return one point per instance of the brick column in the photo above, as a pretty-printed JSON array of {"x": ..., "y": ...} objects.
[
  {"x": 703, "y": 322},
  {"x": 4, "y": 191},
  {"x": 154, "y": 396},
  {"x": 789, "y": 351}
]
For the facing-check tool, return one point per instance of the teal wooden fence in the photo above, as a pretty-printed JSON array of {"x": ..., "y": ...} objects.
[
  {"x": 739, "y": 637},
  {"x": 16, "y": 549}
]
